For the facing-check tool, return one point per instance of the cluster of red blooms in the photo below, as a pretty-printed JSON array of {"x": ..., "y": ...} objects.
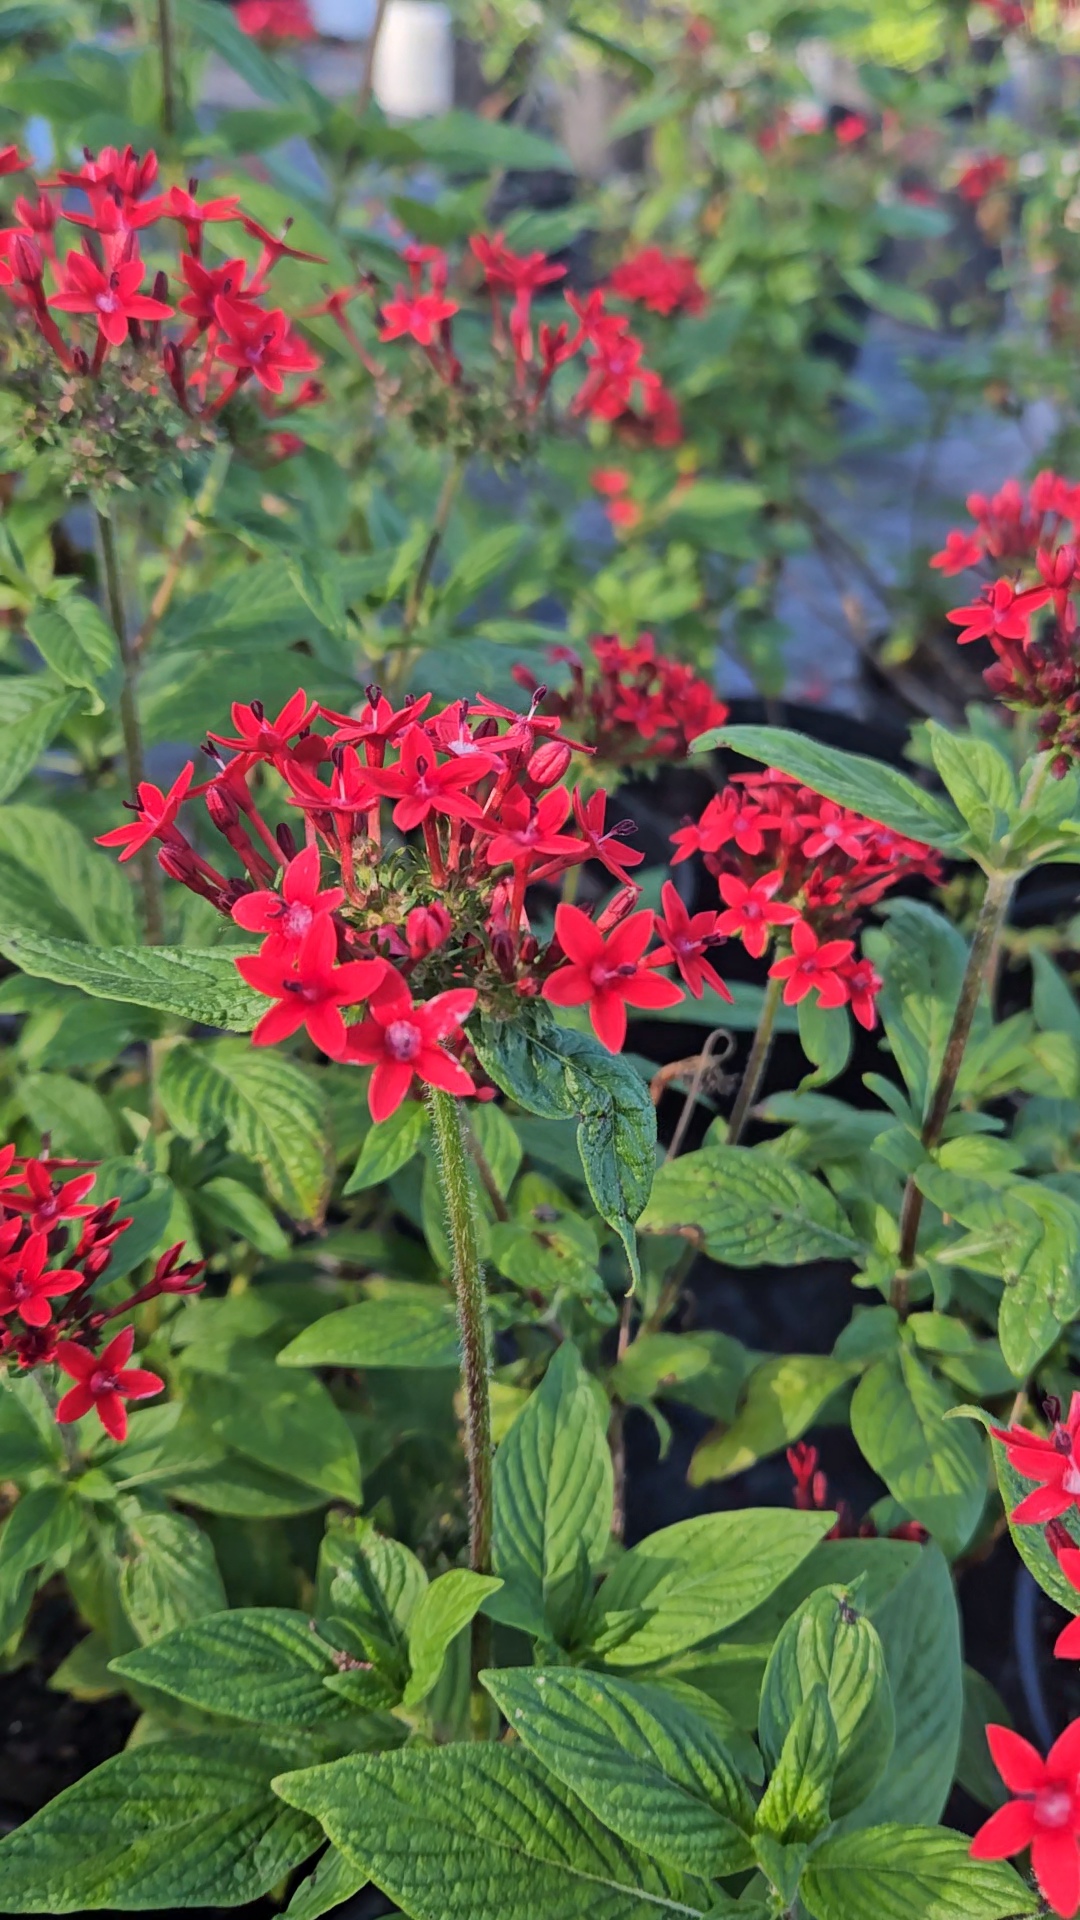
[
  {"x": 1043, "y": 1812},
  {"x": 418, "y": 932},
  {"x": 812, "y": 1496},
  {"x": 661, "y": 282},
  {"x": 274, "y": 21},
  {"x": 629, "y": 703},
  {"x": 224, "y": 334},
  {"x": 617, "y": 385},
  {"x": 1036, "y": 533},
  {"x": 54, "y": 1244},
  {"x": 981, "y": 177},
  {"x": 785, "y": 858}
]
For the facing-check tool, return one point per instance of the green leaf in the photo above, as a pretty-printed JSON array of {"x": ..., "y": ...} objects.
[
  {"x": 271, "y": 1109},
  {"x": 979, "y": 778},
  {"x": 287, "y": 1422},
  {"x": 750, "y": 1208},
  {"x": 200, "y": 986},
  {"x": 73, "y": 1113},
  {"x": 921, "y": 958},
  {"x": 86, "y": 891},
  {"x": 975, "y": 1769},
  {"x": 379, "y": 1333},
  {"x": 231, "y": 1207},
  {"x": 934, "y": 1467},
  {"x": 209, "y": 26},
  {"x": 825, "y": 1034},
  {"x": 918, "y": 1623},
  {"x": 701, "y": 1369},
  {"x": 559, "y": 1074},
  {"x": 909, "y": 1873},
  {"x": 332, "y": 1881},
  {"x": 903, "y": 303},
  {"x": 689, "y": 1582},
  {"x": 784, "y": 1396},
  {"x": 796, "y": 1804},
  {"x": 553, "y": 1489},
  {"x": 1053, "y": 1001},
  {"x": 265, "y": 1665},
  {"x": 168, "y": 1573},
  {"x": 480, "y": 1831},
  {"x": 24, "y": 741},
  {"x": 388, "y": 1147},
  {"x": 443, "y": 1609},
  {"x": 172, "y": 1823},
  {"x": 644, "y": 1763},
  {"x": 466, "y": 142},
  {"x": 829, "y": 1643},
  {"x": 870, "y": 787},
  {"x": 44, "y": 1529},
  {"x": 76, "y": 641}
]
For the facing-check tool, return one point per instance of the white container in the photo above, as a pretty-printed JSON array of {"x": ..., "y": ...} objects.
[
  {"x": 342, "y": 19},
  {"x": 414, "y": 60}
]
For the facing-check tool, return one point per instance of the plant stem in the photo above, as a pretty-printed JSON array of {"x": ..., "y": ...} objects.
[
  {"x": 202, "y": 508},
  {"x": 1000, "y": 886},
  {"x": 167, "y": 44},
  {"x": 149, "y": 872},
  {"x": 757, "y": 1062},
  {"x": 455, "y": 1179},
  {"x": 448, "y": 493},
  {"x": 367, "y": 72}
]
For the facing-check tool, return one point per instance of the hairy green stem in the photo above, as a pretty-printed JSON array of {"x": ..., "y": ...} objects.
[
  {"x": 149, "y": 872},
  {"x": 444, "y": 506},
  {"x": 455, "y": 1178},
  {"x": 756, "y": 1063},
  {"x": 1000, "y": 886},
  {"x": 167, "y": 45}
]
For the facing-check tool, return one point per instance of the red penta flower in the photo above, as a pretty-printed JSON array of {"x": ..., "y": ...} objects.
[
  {"x": 851, "y": 128},
  {"x": 961, "y": 551},
  {"x": 1043, "y": 1813},
  {"x": 10, "y": 162},
  {"x": 662, "y": 282},
  {"x": 528, "y": 830},
  {"x": 751, "y": 911},
  {"x": 422, "y": 787},
  {"x": 156, "y": 815},
  {"x": 403, "y": 1042},
  {"x": 981, "y": 177},
  {"x": 1052, "y": 1462},
  {"x": 262, "y": 345},
  {"x": 863, "y": 986},
  {"x": 289, "y": 915},
  {"x": 608, "y": 845},
  {"x": 46, "y": 1205},
  {"x": 1067, "y": 1644},
  {"x": 103, "y": 1382},
  {"x": 1000, "y": 613},
  {"x": 112, "y": 296},
  {"x": 813, "y": 964},
  {"x": 415, "y": 316},
  {"x": 685, "y": 939},
  {"x": 309, "y": 989},
  {"x": 263, "y": 738},
  {"x": 26, "y": 1286},
  {"x": 831, "y": 826},
  {"x": 274, "y": 20},
  {"x": 513, "y": 272},
  {"x": 607, "y": 975}
]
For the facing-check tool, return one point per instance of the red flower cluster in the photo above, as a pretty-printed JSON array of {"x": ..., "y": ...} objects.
[
  {"x": 1053, "y": 1463},
  {"x": 663, "y": 282},
  {"x": 613, "y": 485},
  {"x": 812, "y": 1496},
  {"x": 617, "y": 384},
  {"x": 981, "y": 177},
  {"x": 1043, "y": 1813},
  {"x": 54, "y": 1245},
  {"x": 630, "y": 703},
  {"x": 1038, "y": 531},
  {"x": 784, "y": 858},
  {"x": 274, "y": 21},
  {"x": 224, "y": 334},
  {"x": 420, "y": 931}
]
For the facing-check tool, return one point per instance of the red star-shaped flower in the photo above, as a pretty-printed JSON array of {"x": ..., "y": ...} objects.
[
  {"x": 812, "y": 964},
  {"x": 1043, "y": 1813},
  {"x": 607, "y": 975},
  {"x": 103, "y": 1382},
  {"x": 310, "y": 990},
  {"x": 403, "y": 1042},
  {"x": 686, "y": 938}
]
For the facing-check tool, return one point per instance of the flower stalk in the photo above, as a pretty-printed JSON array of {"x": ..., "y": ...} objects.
[
  {"x": 757, "y": 1062},
  {"x": 167, "y": 46},
  {"x": 455, "y": 1178},
  {"x": 1000, "y": 887},
  {"x": 149, "y": 873}
]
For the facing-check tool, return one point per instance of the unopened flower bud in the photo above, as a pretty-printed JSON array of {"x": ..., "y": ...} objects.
[
  {"x": 426, "y": 928},
  {"x": 548, "y": 764},
  {"x": 222, "y": 808}
]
